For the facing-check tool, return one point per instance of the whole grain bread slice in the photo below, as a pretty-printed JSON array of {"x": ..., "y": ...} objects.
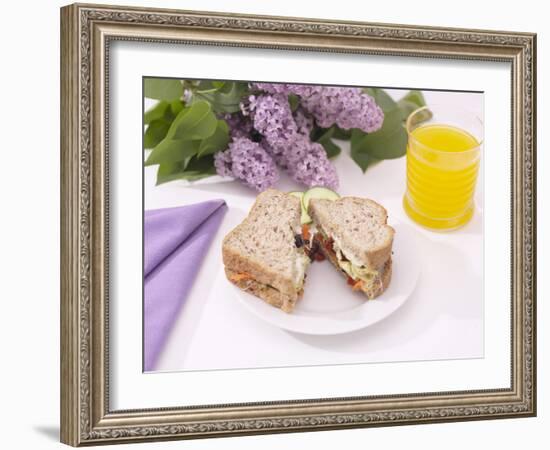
[
  {"x": 358, "y": 227},
  {"x": 265, "y": 292},
  {"x": 263, "y": 248}
]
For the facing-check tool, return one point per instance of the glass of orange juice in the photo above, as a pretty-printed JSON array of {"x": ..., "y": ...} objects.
[{"x": 443, "y": 156}]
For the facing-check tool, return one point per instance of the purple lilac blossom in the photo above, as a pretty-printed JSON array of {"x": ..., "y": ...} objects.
[
  {"x": 271, "y": 88},
  {"x": 288, "y": 143},
  {"x": 303, "y": 90},
  {"x": 223, "y": 163},
  {"x": 304, "y": 122},
  {"x": 308, "y": 164},
  {"x": 305, "y": 161},
  {"x": 272, "y": 117},
  {"x": 345, "y": 107},
  {"x": 239, "y": 125},
  {"x": 249, "y": 162},
  {"x": 277, "y": 152}
]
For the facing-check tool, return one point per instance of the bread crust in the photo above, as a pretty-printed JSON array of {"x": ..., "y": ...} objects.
[{"x": 267, "y": 293}]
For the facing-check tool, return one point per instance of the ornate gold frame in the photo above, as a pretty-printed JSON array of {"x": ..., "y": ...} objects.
[{"x": 86, "y": 31}]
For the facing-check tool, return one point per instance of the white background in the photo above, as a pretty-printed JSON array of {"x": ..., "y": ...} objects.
[{"x": 29, "y": 328}]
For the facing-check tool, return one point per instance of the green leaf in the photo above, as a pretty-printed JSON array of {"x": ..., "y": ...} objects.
[
  {"x": 416, "y": 97},
  {"x": 163, "y": 88},
  {"x": 204, "y": 165},
  {"x": 163, "y": 110},
  {"x": 387, "y": 143},
  {"x": 158, "y": 111},
  {"x": 363, "y": 160},
  {"x": 411, "y": 102},
  {"x": 344, "y": 135},
  {"x": 293, "y": 101},
  {"x": 226, "y": 99},
  {"x": 195, "y": 169},
  {"x": 316, "y": 133},
  {"x": 196, "y": 122},
  {"x": 166, "y": 171},
  {"x": 359, "y": 154},
  {"x": 172, "y": 150},
  {"x": 406, "y": 108},
  {"x": 382, "y": 98},
  {"x": 185, "y": 135},
  {"x": 390, "y": 141},
  {"x": 330, "y": 147},
  {"x": 175, "y": 107},
  {"x": 392, "y": 121},
  {"x": 218, "y": 140},
  {"x": 170, "y": 172},
  {"x": 189, "y": 176},
  {"x": 156, "y": 131}
]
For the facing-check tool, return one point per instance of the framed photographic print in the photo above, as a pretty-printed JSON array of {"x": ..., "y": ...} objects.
[{"x": 276, "y": 224}]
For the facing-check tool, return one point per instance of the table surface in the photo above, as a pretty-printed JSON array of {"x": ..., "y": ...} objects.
[{"x": 443, "y": 318}]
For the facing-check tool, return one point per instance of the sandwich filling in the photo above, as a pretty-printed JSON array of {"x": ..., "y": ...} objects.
[
  {"x": 299, "y": 267},
  {"x": 247, "y": 280},
  {"x": 301, "y": 264},
  {"x": 267, "y": 292},
  {"x": 360, "y": 277}
]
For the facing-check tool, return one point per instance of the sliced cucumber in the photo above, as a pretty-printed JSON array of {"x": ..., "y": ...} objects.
[
  {"x": 305, "y": 216},
  {"x": 318, "y": 192}
]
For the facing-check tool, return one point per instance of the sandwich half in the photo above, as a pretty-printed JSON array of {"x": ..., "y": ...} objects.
[
  {"x": 264, "y": 255},
  {"x": 354, "y": 235}
]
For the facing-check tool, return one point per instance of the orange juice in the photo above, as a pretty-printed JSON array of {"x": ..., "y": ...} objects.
[{"x": 442, "y": 167}]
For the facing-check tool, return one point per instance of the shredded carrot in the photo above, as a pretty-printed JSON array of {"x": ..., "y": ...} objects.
[
  {"x": 240, "y": 277},
  {"x": 305, "y": 231},
  {"x": 357, "y": 286}
]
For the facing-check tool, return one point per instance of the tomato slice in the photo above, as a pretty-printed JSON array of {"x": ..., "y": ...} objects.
[{"x": 305, "y": 232}]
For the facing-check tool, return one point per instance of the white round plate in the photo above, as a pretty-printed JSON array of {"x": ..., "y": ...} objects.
[{"x": 329, "y": 306}]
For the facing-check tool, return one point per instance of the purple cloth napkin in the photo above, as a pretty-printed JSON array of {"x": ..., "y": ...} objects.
[{"x": 176, "y": 241}]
